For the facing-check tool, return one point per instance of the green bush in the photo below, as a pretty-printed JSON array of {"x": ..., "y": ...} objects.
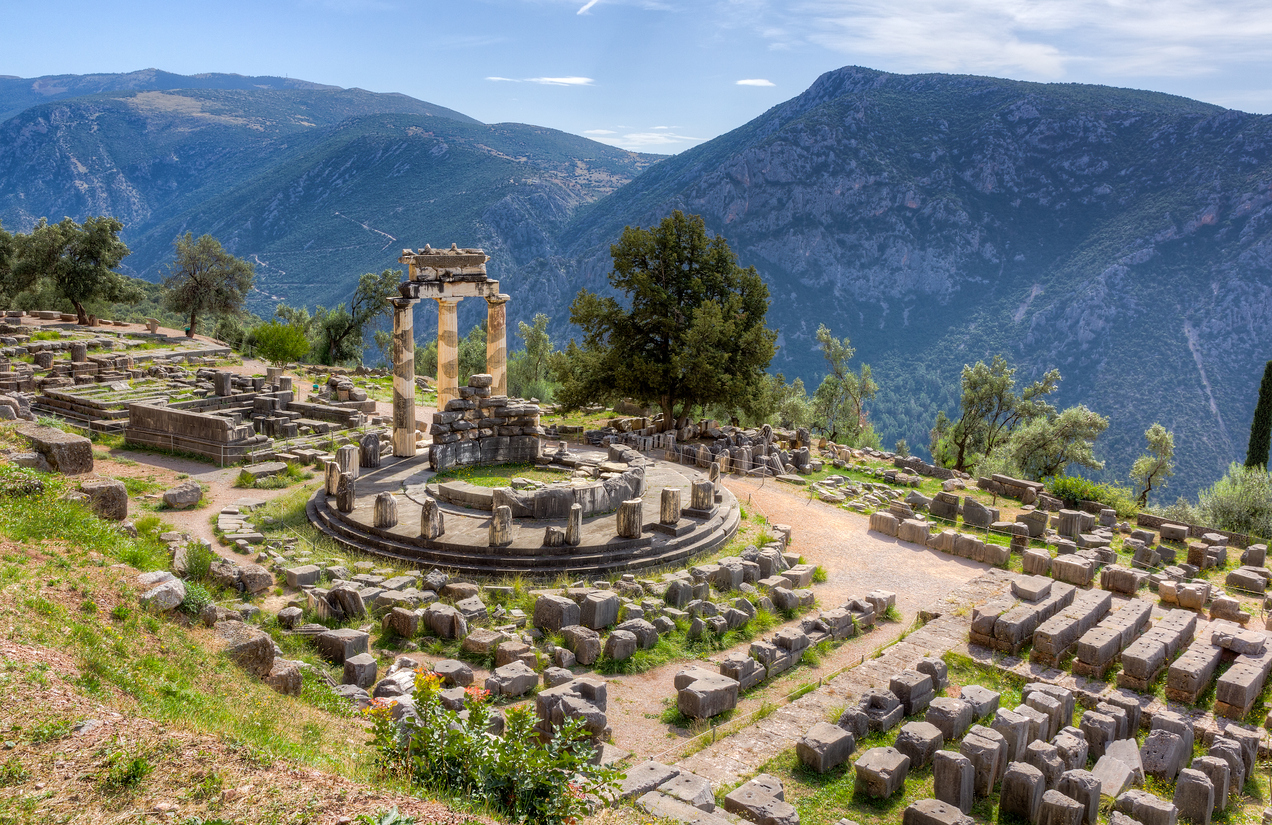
[
  {"x": 1072, "y": 489},
  {"x": 1241, "y": 501},
  {"x": 199, "y": 558},
  {"x": 197, "y": 597},
  {"x": 517, "y": 775}
]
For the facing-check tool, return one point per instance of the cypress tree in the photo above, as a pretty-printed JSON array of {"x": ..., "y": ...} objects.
[{"x": 1261, "y": 426}]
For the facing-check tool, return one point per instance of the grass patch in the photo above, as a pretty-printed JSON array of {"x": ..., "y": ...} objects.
[
  {"x": 293, "y": 474},
  {"x": 500, "y": 475}
]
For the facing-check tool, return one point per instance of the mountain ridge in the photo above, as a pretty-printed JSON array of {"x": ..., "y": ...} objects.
[{"x": 1119, "y": 235}]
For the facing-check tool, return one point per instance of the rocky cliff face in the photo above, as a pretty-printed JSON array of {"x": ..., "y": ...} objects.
[
  {"x": 1121, "y": 236},
  {"x": 1118, "y": 235}
]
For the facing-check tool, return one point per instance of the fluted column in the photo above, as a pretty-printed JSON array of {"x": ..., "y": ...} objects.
[
  {"x": 447, "y": 351},
  {"x": 497, "y": 343},
  {"x": 403, "y": 377}
]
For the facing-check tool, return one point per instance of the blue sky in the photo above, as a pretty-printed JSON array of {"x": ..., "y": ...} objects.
[{"x": 654, "y": 75}]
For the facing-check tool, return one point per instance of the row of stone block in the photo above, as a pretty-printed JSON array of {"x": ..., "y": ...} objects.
[
  {"x": 1145, "y": 658},
  {"x": 1006, "y": 625},
  {"x": 1057, "y": 636},
  {"x": 1099, "y": 647}
]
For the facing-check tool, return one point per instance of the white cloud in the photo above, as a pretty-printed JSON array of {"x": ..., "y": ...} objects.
[
  {"x": 645, "y": 140},
  {"x": 587, "y": 6},
  {"x": 561, "y": 81},
  {"x": 547, "y": 81},
  {"x": 1037, "y": 39},
  {"x": 756, "y": 81},
  {"x": 599, "y": 132}
]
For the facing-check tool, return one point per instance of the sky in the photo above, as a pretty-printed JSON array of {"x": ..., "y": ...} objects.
[{"x": 653, "y": 75}]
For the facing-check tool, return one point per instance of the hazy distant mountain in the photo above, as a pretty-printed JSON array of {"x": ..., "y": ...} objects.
[
  {"x": 1119, "y": 235},
  {"x": 315, "y": 184},
  {"x": 1124, "y": 237}
]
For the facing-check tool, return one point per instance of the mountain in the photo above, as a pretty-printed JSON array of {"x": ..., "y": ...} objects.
[
  {"x": 1124, "y": 237},
  {"x": 314, "y": 184},
  {"x": 1119, "y": 235},
  {"x": 19, "y": 93}
]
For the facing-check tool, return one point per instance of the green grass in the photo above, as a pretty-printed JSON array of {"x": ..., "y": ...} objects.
[
  {"x": 500, "y": 475},
  {"x": 293, "y": 474}
]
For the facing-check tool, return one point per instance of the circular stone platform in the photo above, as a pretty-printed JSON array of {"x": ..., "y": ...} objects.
[{"x": 464, "y": 547}]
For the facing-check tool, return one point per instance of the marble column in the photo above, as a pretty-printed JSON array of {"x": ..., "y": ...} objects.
[
  {"x": 497, "y": 343},
  {"x": 447, "y": 351},
  {"x": 403, "y": 377}
]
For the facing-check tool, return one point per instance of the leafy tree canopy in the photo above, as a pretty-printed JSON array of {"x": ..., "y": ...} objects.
[
  {"x": 281, "y": 343},
  {"x": 990, "y": 411},
  {"x": 203, "y": 278},
  {"x": 1152, "y": 468},
  {"x": 338, "y": 332},
  {"x": 78, "y": 260},
  {"x": 839, "y": 405},
  {"x": 689, "y": 332},
  {"x": 1046, "y": 445}
]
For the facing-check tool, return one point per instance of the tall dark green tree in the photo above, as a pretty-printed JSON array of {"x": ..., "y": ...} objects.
[
  {"x": 1261, "y": 426},
  {"x": 689, "y": 331}
]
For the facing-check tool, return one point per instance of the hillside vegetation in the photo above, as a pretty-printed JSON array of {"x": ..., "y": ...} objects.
[{"x": 1117, "y": 235}]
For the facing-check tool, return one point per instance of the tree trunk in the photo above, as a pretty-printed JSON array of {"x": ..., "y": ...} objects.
[
  {"x": 194, "y": 319},
  {"x": 81, "y": 315},
  {"x": 669, "y": 416}
]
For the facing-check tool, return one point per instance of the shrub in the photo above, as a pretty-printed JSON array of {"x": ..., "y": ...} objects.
[
  {"x": 124, "y": 771},
  {"x": 516, "y": 774},
  {"x": 199, "y": 558},
  {"x": 1072, "y": 489},
  {"x": 1241, "y": 501},
  {"x": 197, "y": 597}
]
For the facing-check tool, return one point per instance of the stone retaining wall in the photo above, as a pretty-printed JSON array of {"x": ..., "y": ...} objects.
[{"x": 1152, "y": 522}]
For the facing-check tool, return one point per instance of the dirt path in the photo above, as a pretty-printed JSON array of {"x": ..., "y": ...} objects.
[{"x": 856, "y": 562}]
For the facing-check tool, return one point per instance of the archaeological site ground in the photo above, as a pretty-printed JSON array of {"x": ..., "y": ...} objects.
[{"x": 233, "y": 592}]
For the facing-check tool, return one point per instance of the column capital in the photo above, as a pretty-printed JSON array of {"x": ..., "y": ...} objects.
[
  {"x": 453, "y": 301},
  {"x": 403, "y": 303},
  {"x": 496, "y": 300}
]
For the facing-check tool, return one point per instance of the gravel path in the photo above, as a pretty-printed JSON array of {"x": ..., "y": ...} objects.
[{"x": 856, "y": 562}]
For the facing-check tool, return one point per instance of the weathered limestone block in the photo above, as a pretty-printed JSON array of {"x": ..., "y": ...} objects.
[
  {"x": 919, "y": 741},
  {"x": 881, "y": 772},
  {"x": 1023, "y": 787},
  {"x": 825, "y": 747},
  {"x": 1195, "y": 796},
  {"x": 346, "y": 496},
  {"x": 954, "y": 779},
  {"x": 1082, "y": 786},
  {"x": 574, "y": 526},
  {"x": 331, "y": 477},
  {"x": 360, "y": 670},
  {"x": 338, "y": 645},
  {"x": 629, "y": 520},
  {"x": 248, "y": 647},
  {"x": 65, "y": 453},
  {"x": 501, "y": 526},
  {"x": 515, "y": 679},
  {"x": 669, "y": 506},
  {"x": 349, "y": 458},
  {"x": 385, "y": 512},
  {"x": 432, "y": 523},
  {"x": 107, "y": 497},
  {"x": 702, "y": 495},
  {"x": 583, "y": 642},
  {"x": 885, "y": 523},
  {"x": 369, "y": 450},
  {"x": 987, "y": 751},
  {"x": 183, "y": 496},
  {"x": 708, "y": 696}
]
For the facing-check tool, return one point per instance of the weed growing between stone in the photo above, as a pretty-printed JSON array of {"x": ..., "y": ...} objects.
[{"x": 516, "y": 775}]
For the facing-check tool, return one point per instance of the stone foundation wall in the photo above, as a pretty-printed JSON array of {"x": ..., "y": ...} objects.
[
  {"x": 1152, "y": 522},
  {"x": 478, "y": 428}
]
